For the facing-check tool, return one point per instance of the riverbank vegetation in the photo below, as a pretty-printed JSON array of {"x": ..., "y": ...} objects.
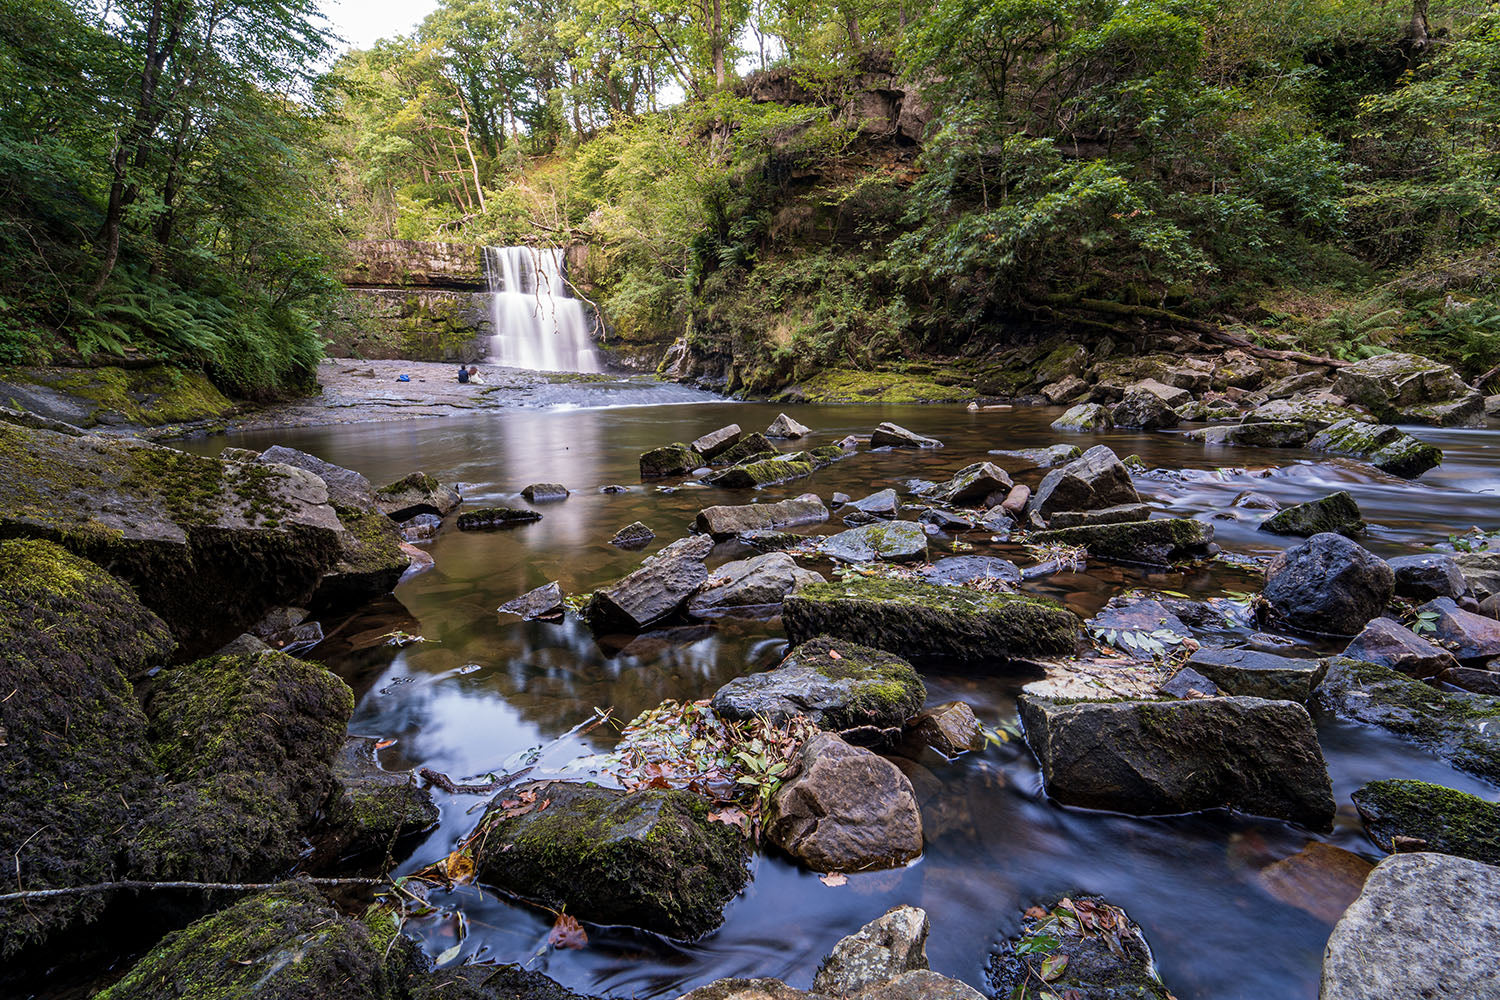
[{"x": 785, "y": 187}]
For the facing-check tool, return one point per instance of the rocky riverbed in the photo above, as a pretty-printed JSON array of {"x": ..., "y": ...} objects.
[{"x": 709, "y": 699}]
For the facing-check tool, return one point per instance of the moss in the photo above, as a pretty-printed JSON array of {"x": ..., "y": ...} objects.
[
  {"x": 495, "y": 517},
  {"x": 1336, "y": 513},
  {"x": 885, "y": 690},
  {"x": 417, "y": 482},
  {"x": 371, "y": 559},
  {"x": 1430, "y": 818},
  {"x": 750, "y": 448},
  {"x": 1159, "y": 541},
  {"x": 766, "y": 473},
  {"x": 894, "y": 385},
  {"x": 675, "y": 459},
  {"x": 157, "y": 394}
]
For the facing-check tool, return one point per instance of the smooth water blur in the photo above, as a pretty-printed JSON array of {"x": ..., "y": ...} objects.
[{"x": 486, "y": 687}]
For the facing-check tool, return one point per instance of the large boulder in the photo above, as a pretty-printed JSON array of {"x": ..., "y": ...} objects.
[
  {"x": 1426, "y": 927},
  {"x": 764, "y": 473},
  {"x": 1081, "y": 947},
  {"x": 1161, "y": 757},
  {"x": 1390, "y": 644},
  {"x": 840, "y": 686},
  {"x": 1388, "y": 448},
  {"x": 1315, "y": 412},
  {"x": 1268, "y": 434},
  {"x": 926, "y": 622},
  {"x": 845, "y": 809},
  {"x": 889, "y": 435},
  {"x": 1039, "y": 458},
  {"x": 1428, "y": 576},
  {"x": 1257, "y": 674},
  {"x": 1084, "y": 418},
  {"x": 669, "y": 460},
  {"x": 893, "y": 541},
  {"x": 880, "y": 504},
  {"x": 1473, "y": 639},
  {"x": 1158, "y": 543},
  {"x": 758, "y": 582},
  {"x": 1402, "y": 816},
  {"x": 1095, "y": 480},
  {"x": 889, "y": 946},
  {"x": 648, "y": 859},
  {"x": 1336, "y": 512},
  {"x": 1328, "y": 584},
  {"x": 715, "y": 443},
  {"x": 1143, "y": 409},
  {"x": 1390, "y": 385},
  {"x": 75, "y": 767},
  {"x": 1463, "y": 729},
  {"x": 417, "y": 494},
  {"x": 656, "y": 591},
  {"x": 752, "y": 447},
  {"x": 174, "y": 526},
  {"x": 727, "y": 521},
  {"x": 972, "y": 484}
]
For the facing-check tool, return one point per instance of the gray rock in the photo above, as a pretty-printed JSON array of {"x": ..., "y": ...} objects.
[
  {"x": 894, "y": 541},
  {"x": 715, "y": 443},
  {"x": 1473, "y": 679},
  {"x": 955, "y": 571},
  {"x": 846, "y": 809},
  {"x": 972, "y": 484},
  {"x": 949, "y": 728},
  {"x": 1465, "y": 411},
  {"x": 1424, "y": 928},
  {"x": 881, "y": 950},
  {"x": 545, "y": 601},
  {"x": 1492, "y": 405},
  {"x": 1121, "y": 514},
  {"x": 633, "y": 536},
  {"x": 859, "y": 688},
  {"x": 1384, "y": 446},
  {"x": 36, "y": 421},
  {"x": 1329, "y": 585},
  {"x": 1336, "y": 512},
  {"x": 1155, "y": 543},
  {"x": 669, "y": 460},
  {"x": 1084, "y": 418},
  {"x": 1254, "y": 435},
  {"x": 656, "y": 591},
  {"x": 753, "y": 447},
  {"x": 1392, "y": 382},
  {"x": 1314, "y": 412},
  {"x": 1141, "y": 408},
  {"x": 1188, "y": 683},
  {"x": 1156, "y": 758},
  {"x": 544, "y": 492},
  {"x": 947, "y": 521},
  {"x": 881, "y": 504},
  {"x": 1172, "y": 395},
  {"x": 1424, "y": 577},
  {"x": 1473, "y": 639},
  {"x": 488, "y": 518},
  {"x": 1039, "y": 458},
  {"x": 896, "y": 436},
  {"x": 1391, "y": 645},
  {"x": 1096, "y": 480},
  {"x": 1250, "y": 500},
  {"x": 759, "y": 582},
  {"x": 728, "y": 521},
  {"x": 420, "y": 528},
  {"x": 691, "y": 547},
  {"x": 838, "y": 500},
  {"x": 1069, "y": 387},
  {"x": 742, "y": 989},
  {"x": 1404, "y": 816},
  {"x": 923, "y": 984},
  {"x": 1257, "y": 674},
  {"x": 346, "y": 488},
  {"x": 785, "y": 427}
]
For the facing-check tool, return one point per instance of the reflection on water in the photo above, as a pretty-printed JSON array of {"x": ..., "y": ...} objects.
[{"x": 485, "y": 688}]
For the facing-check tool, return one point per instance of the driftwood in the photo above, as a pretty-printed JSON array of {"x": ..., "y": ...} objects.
[{"x": 84, "y": 890}]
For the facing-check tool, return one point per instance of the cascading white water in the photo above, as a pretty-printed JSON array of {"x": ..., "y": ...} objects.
[{"x": 537, "y": 324}]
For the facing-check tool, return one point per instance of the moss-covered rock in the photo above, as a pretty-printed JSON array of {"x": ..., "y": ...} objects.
[
  {"x": 74, "y": 765},
  {"x": 1159, "y": 542},
  {"x": 283, "y": 944},
  {"x": 371, "y": 809},
  {"x": 669, "y": 460},
  {"x": 925, "y": 622},
  {"x": 1336, "y": 512},
  {"x": 415, "y": 494},
  {"x": 246, "y": 746},
  {"x": 174, "y": 526},
  {"x": 752, "y": 447},
  {"x": 1388, "y": 448},
  {"x": 891, "y": 541},
  {"x": 765, "y": 473},
  {"x": 485, "y": 518},
  {"x": 89, "y": 397},
  {"x": 1084, "y": 418},
  {"x": 1266, "y": 434},
  {"x": 648, "y": 859},
  {"x": 487, "y": 982},
  {"x": 1404, "y": 815},
  {"x": 1390, "y": 382}
]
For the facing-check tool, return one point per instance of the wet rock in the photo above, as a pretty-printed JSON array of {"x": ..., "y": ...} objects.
[
  {"x": 487, "y": 518},
  {"x": 1425, "y": 926},
  {"x": 949, "y": 728},
  {"x": 1392, "y": 382},
  {"x": 420, "y": 528},
  {"x": 1463, "y": 729},
  {"x": 1336, "y": 512},
  {"x": 715, "y": 443},
  {"x": 858, "y": 689},
  {"x": 371, "y": 808},
  {"x": 925, "y": 622},
  {"x": 614, "y": 488},
  {"x": 1257, "y": 674},
  {"x": 838, "y": 500},
  {"x": 1122, "y": 514},
  {"x": 765, "y": 473},
  {"x": 1473, "y": 639},
  {"x": 1039, "y": 458},
  {"x": 1481, "y": 572},
  {"x": 1201, "y": 411},
  {"x": 728, "y": 521},
  {"x": 1172, "y": 395},
  {"x": 751, "y": 448},
  {"x": 1427, "y": 576},
  {"x": 1391, "y": 645},
  {"x": 656, "y": 591},
  {"x": 946, "y": 520},
  {"x": 1188, "y": 683},
  {"x": 1405, "y": 816},
  {"x": 1388, "y": 448},
  {"x": 749, "y": 989},
  {"x": 1158, "y": 543},
  {"x": 1465, "y": 411},
  {"x": 1105, "y": 958},
  {"x": 1289, "y": 386},
  {"x": 1084, "y": 418},
  {"x": 896, "y": 436},
  {"x": 545, "y": 601},
  {"x": 882, "y": 504},
  {"x": 785, "y": 427},
  {"x": 682, "y": 868},
  {"x": 669, "y": 460},
  {"x": 1474, "y": 679},
  {"x": 883, "y": 949},
  {"x": 1141, "y": 408},
  {"x": 1069, "y": 387},
  {"x": 1253, "y": 435},
  {"x": 1320, "y": 879},
  {"x": 1094, "y": 481},
  {"x": 920, "y": 985},
  {"x": 36, "y": 421},
  {"x": 955, "y": 571},
  {"x": 1314, "y": 412},
  {"x": 766, "y": 540},
  {"x": 692, "y": 547},
  {"x": 287, "y": 943},
  {"x": 486, "y": 982},
  {"x": 1328, "y": 584},
  {"x": 1250, "y": 500},
  {"x": 1155, "y": 758},
  {"x": 893, "y": 541},
  {"x": 544, "y": 492},
  {"x": 1492, "y": 405},
  {"x": 415, "y": 495},
  {"x": 346, "y": 488},
  {"x": 827, "y": 454},
  {"x": 972, "y": 484},
  {"x": 372, "y": 559},
  {"x": 633, "y": 536},
  {"x": 760, "y": 582},
  {"x": 845, "y": 809}
]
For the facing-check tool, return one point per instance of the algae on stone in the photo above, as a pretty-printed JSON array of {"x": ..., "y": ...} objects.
[{"x": 1404, "y": 815}]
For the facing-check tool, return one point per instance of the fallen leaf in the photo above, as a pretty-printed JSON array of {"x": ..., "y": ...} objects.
[
  {"x": 567, "y": 933},
  {"x": 459, "y": 867},
  {"x": 1053, "y": 966},
  {"x": 834, "y": 654},
  {"x": 382, "y": 744},
  {"x": 732, "y": 816},
  {"x": 834, "y": 879},
  {"x": 1036, "y": 913}
]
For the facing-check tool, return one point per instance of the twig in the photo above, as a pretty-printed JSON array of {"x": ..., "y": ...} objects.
[
  {"x": 83, "y": 890},
  {"x": 452, "y": 787}
]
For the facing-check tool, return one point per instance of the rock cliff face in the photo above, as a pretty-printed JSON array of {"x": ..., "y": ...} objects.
[
  {"x": 413, "y": 301},
  {"x": 414, "y": 264}
]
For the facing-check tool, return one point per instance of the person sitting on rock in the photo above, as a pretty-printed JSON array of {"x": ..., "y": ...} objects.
[
  {"x": 463, "y": 373},
  {"x": 474, "y": 375}
]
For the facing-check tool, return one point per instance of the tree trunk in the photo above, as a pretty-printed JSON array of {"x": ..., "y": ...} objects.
[
  {"x": 1418, "y": 30},
  {"x": 719, "y": 43}
]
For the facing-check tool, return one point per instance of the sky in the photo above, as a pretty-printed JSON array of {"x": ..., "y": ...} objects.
[{"x": 362, "y": 22}]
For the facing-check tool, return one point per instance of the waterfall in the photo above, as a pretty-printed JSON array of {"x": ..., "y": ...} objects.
[{"x": 537, "y": 324}]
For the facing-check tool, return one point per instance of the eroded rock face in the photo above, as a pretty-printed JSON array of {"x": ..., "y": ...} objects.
[
  {"x": 728, "y": 521},
  {"x": 1105, "y": 958},
  {"x": 633, "y": 536},
  {"x": 545, "y": 601},
  {"x": 884, "y": 948},
  {"x": 371, "y": 808},
  {"x": 955, "y": 571},
  {"x": 1155, "y": 758},
  {"x": 490, "y": 518},
  {"x": 1392, "y": 645},
  {"x": 845, "y": 810},
  {"x": 949, "y": 728},
  {"x": 648, "y": 859},
  {"x": 759, "y": 582},
  {"x": 1097, "y": 479},
  {"x": 545, "y": 492},
  {"x": 1425, "y": 927},
  {"x": 1329, "y": 584},
  {"x": 765, "y": 473}
]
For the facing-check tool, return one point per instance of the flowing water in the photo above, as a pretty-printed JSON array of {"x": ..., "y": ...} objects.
[
  {"x": 538, "y": 325},
  {"x": 487, "y": 687}
]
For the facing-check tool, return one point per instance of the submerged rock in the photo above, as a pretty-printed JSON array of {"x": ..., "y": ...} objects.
[
  {"x": 417, "y": 494},
  {"x": 486, "y": 518},
  {"x": 545, "y": 492},
  {"x": 1388, "y": 644},
  {"x": 759, "y": 582},
  {"x": 1403, "y": 816},
  {"x": 1320, "y": 879},
  {"x": 882, "y": 949},
  {"x": 715, "y": 443},
  {"x": 1159, "y": 542},
  {"x": 545, "y": 601},
  {"x": 1084, "y": 418},
  {"x": 845, "y": 809},
  {"x": 669, "y": 460},
  {"x": 896, "y": 436},
  {"x": 648, "y": 859},
  {"x": 1388, "y": 448},
  {"x": 1093, "y": 481},
  {"x": 892, "y": 541},
  {"x": 1336, "y": 512},
  {"x": 633, "y": 536},
  {"x": 727, "y": 521},
  {"x": 840, "y": 686},
  {"x": 1079, "y": 946},
  {"x": 656, "y": 591},
  {"x": 1257, "y": 674},
  {"x": 949, "y": 728},
  {"x": 1328, "y": 584},
  {"x": 956, "y": 571},
  {"x": 785, "y": 427},
  {"x": 1426, "y": 926},
  {"x": 922, "y": 621}
]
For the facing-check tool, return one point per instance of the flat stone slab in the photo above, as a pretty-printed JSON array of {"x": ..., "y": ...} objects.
[{"x": 1258, "y": 675}]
